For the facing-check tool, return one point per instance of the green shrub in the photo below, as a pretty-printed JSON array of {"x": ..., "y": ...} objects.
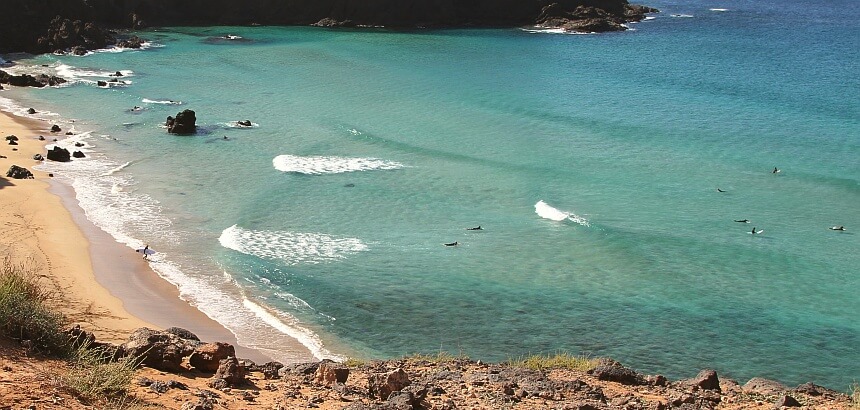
[
  {"x": 94, "y": 376},
  {"x": 556, "y": 361},
  {"x": 23, "y": 313}
]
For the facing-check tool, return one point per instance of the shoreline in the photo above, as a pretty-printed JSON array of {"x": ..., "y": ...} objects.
[{"x": 81, "y": 261}]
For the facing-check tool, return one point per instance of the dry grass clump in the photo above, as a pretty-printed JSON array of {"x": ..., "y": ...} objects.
[
  {"x": 440, "y": 357},
  {"x": 556, "y": 361},
  {"x": 94, "y": 375},
  {"x": 855, "y": 395},
  {"x": 24, "y": 315}
]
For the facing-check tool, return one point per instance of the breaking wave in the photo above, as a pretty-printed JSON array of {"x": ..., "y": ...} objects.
[
  {"x": 546, "y": 211},
  {"x": 330, "y": 165},
  {"x": 292, "y": 248}
]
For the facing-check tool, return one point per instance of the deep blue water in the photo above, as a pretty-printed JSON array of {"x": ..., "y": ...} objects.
[{"x": 371, "y": 148}]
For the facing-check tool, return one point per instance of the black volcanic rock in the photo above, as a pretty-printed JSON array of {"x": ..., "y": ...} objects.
[
  {"x": 59, "y": 154},
  {"x": 26, "y": 80},
  {"x": 184, "y": 123},
  {"x": 16, "y": 172}
]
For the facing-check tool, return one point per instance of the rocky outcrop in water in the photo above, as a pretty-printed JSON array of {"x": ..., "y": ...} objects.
[
  {"x": 59, "y": 154},
  {"x": 185, "y": 123},
  {"x": 43, "y": 26},
  {"x": 26, "y": 80}
]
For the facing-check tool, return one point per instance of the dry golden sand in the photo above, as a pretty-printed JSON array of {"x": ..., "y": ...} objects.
[{"x": 36, "y": 230}]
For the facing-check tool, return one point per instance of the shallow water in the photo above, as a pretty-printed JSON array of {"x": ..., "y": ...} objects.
[{"x": 592, "y": 163}]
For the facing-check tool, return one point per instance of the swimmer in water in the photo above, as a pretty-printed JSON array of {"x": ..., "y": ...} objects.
[
  {"x": 452, "y": 244},
  {"x": 745, "y": 221},
  {"x": 477, "y": 228},
  {"x": 837, "y": 228}
]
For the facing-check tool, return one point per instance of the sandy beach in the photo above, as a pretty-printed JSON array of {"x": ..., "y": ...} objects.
[{"x": 97, "y": 283}]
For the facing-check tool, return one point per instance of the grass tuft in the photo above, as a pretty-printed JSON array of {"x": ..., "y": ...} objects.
[
  {"x": 855, "y": 395},
  {"x": 24, "y": 314},
  {"x": 556, "y": 361},
  {"x": 353, "y": 362},
  {"x": 94, "y": 376},
  {"x": 440, "y": 357}
]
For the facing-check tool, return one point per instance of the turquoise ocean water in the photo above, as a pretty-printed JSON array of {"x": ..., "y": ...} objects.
[{"x": 591, "y": 161}]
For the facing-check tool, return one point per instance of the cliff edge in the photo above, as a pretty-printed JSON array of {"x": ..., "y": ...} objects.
[{"x": 33, "y": 26}]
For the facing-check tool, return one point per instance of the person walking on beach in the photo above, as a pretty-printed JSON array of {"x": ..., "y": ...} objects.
[{"x": 145, "y": 250}]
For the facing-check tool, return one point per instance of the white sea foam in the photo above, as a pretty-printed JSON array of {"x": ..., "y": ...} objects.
[
  {"x": 546, "y": 211},
  {"x": 718, "y": 9},
  {"x": 682, "y": 15},
  {"x": 292, "y": 248},
  {"x": 330, "y": 165},
  {"x": 72, "y": 73},
  {"x": 107, "y": 200},
  {"x": 235, "y": 124},
  {"x": 117, "y": 169},
  {"x": 165, "y": 102},
  {"x": 12, "y": 107},
  {"x": 290, "y": 326},
  {"x": 546, "y": 30}
]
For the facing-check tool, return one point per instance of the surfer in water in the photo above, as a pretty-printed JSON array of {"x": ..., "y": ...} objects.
[
  {"x": 455, "y": 243},
  {"x": 477, "y": 228},
  {"x": 755, "y": 232},
  {"x": 744, "y": 221},
  {"x": 837, "y": 228},
  {"x": 720, "y": 190},
  {"x": 775, "y": 170}
]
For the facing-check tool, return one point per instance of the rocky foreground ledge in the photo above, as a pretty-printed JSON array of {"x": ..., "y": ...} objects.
[
  {"x": 181, "y": 372},
  {"x": 42, "y": 26}
]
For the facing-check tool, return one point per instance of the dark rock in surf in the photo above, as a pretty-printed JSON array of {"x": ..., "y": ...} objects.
[
  {"x": 102, "y": 83},
  {"x": 16, "y": 172},
  {"x": 79, "y": 144},
  {"x": 59, "y": 154},
  {"x": 38, "y": 157},
  {"x": 11, "y": 138},
  {"x": 27, "y": 80},
  {"x": 31, "y": 111},
  {"x": 78, "y": 154},
  {"x": 55, "y": 128},
  {"x": 41, "y": 138},
  {"x": 131, "y": 42},
  {"x": 246, "y": 123},
  {"x": 117, "y": 74},
  {"x": 185, "y": 123}
]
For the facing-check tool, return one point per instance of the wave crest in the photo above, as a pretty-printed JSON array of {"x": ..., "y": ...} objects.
[
  {"x": 546, "y": 211},
  {"x": 330, "y": 165},
  {"x": 292, "y": 248}
]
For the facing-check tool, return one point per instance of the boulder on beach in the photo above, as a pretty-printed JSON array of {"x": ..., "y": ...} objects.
[
  {"x": 38, "y": 157},
  {"x": 59, "y": 154},
  {"x": 207, "y": 357},
  {"x": 55, "y": 128},
  {"x": 158, "y": 349},
  {"x": 185, "y": 123},
  {"x": 78, "y": 154},
  {"x": 31, "y": 111},
  {"x": 16, "y": 172}
]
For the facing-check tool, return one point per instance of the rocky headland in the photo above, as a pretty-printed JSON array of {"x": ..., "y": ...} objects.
[
  {"x": 43, "y": 26},
  {"x": 180, "y": 371}
]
